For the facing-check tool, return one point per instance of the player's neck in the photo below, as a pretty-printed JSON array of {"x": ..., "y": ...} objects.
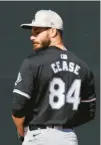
[{"x": 59, "y": 44}]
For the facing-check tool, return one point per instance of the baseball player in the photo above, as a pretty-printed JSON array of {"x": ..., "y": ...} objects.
[{"x": 54, "y": 91}]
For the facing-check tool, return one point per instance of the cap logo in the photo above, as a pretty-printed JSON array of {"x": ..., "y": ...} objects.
[{"x": 52, "y": 23}]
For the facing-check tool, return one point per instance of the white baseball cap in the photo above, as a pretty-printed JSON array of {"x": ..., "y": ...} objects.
[{"x": 45, "y": 18}]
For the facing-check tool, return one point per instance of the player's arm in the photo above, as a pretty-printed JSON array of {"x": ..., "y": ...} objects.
[
  {"x": 19, "y": 125},
  {"x": 22, "y": 93},
  {"x": 19, "y": 107},
  {"x": 89, "y": 97},
  {"x": 87, "y": 107}
]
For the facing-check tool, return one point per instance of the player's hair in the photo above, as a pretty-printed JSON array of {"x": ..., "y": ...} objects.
[{"x": 60, "y": 32}]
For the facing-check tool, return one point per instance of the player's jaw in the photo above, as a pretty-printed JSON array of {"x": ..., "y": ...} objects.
[{"x": 38, "y": 44}]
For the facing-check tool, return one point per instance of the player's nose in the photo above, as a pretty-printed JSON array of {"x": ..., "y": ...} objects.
[{"x": 32, "y": 38}]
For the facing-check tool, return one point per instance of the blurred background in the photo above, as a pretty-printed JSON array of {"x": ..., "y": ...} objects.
[{"x": 81, "y": 36}]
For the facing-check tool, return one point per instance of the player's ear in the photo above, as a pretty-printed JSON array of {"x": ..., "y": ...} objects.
[{"x": 53, "y": 32}]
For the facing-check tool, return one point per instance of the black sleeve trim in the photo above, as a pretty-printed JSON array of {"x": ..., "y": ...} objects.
[{"x": 19, "y": 106}]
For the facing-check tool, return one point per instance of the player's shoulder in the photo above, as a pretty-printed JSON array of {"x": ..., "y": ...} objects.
[
  {"x": 28, "y": 60},
  {"x": 78, "y": 60},
  {"x": 31, "y": 55}
]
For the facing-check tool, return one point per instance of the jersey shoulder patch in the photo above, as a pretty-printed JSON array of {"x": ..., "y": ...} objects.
[{"x": 19, "y": 79}]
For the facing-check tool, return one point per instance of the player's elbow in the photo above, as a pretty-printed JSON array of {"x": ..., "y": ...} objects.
[
  {"x": 93, "y": 110},
  {"x": 18, "y": 111},
  {"x": 19, "y": 106}
]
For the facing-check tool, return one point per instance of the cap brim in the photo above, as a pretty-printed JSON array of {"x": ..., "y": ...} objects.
[
  {"x": 29, "y": 26},
  {"x": 26, "y": 26}
]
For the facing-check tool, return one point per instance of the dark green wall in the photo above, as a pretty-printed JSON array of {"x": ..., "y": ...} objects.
[{"x": 82, "y": 36}]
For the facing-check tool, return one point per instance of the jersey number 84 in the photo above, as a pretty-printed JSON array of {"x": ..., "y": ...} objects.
[{"x": 57, "y": 90}]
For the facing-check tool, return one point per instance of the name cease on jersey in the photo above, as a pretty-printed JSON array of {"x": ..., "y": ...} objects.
[
  {"x": 64, "y": 66},
  {"x": 57, "y": 90}
]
